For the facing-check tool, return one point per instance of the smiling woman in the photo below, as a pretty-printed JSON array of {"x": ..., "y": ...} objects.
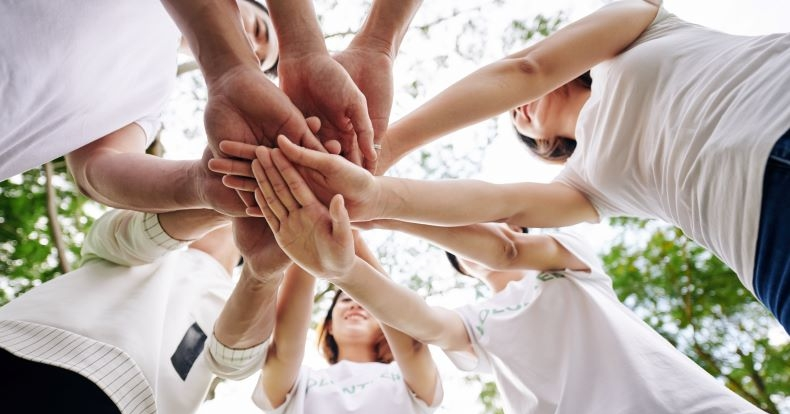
[{"x": 349, "y": 332}]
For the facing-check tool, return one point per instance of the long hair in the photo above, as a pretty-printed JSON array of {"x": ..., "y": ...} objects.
[
  {"x": 328, "y": 345},
  {"x": 555, "y": 149}
]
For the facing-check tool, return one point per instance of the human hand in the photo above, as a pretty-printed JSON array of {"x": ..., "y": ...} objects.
[
  {"x": 316, "y": 238},
  {"x": 245, "y": 106},
  {"x": 213, "y": 193},
  {"x": 328, "y": 175},
  {"x": 319, "y": 86},
  {"x": 371, "y": 70},
  {"x": 259, "y": 249}
]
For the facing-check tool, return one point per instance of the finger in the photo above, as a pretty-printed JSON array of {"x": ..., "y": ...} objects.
[
  {"x": 281, "y": 188},
  {"x": 238, "y": 149},
  {"x": 321, "y": 162},
  {"x": 270, "y": 217},
  {"x": 240, "y": 183},
  {"x": 351, "y": 151},
  {"x": 254, "y": 211},
  {"x": 297, "y": 186},
  {"x": 341, "y": 225},
  {"x": 268, "y": 196},
  {"x": 247, "y": 197},
  {"x": 363, "y": 127},
  {"x": 333, "y": 146},
  {"x": 314, "y": 123},
  {"x": 230, "y": 166}
]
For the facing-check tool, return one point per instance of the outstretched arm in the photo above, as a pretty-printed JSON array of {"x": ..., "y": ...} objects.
[
  {"x": 446, "y": 203},
  {"x": 116, "y": 171},
  {"x": 414, "y": 357},
  {"x": 520, "y": 78},
  {"x": 493, "y": 245},
  {"x": 320, "y": 241}
]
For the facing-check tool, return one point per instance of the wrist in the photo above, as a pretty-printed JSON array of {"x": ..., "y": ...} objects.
[
  {"x": 375, "y": 43},
  {"x": 258, "y": 279}
]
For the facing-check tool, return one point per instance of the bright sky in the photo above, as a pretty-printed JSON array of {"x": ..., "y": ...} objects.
[{"x": 506, "y": 161}]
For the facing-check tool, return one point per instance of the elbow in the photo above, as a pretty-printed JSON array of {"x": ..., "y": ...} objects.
[
  {"x": 506, "y": 256},
  {"x": 527, "y": 65}
]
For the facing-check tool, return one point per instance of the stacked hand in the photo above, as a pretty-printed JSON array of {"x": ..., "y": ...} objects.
[{"x": 316, "y": 238}]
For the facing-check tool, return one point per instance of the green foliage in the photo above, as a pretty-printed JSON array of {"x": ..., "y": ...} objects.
[
  {"x": 28, "y": 255},
  {"x": 697, "y": 303}
]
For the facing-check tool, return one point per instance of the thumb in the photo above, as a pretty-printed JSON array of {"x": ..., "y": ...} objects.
[
  {"x": 315, "y": 160},
  {"x": 341, "y": 225}
]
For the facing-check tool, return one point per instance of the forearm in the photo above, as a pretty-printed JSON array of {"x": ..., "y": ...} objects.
[
  {"x": 297, "y": 27},
  {"x": 386, "y": 25},
  {"x": 215, "y": 34},
  {"x": 248, "y": 316},
  {"x": 140, "y": 182},
  {"x": 395, "y": 305},
  {"x": 294, "y": 309},
  {"x": 463, "y": 202},
  {"x": 488, "y": 92}
]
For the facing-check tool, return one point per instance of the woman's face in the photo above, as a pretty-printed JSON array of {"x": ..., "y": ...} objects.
[
  {"x": 350, "y": 322},
  {"x": 260, "y": 33},
  {"x": 541, "y": 119}
]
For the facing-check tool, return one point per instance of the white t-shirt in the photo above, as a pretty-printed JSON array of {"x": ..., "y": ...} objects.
[
  {"x": 139, "y": 292},
  {"x": 349, "y": 387},
  {"x": 562, "y": 343},
  {"x": 679, "y": 127},
  {"x": 74, "y": 71}
]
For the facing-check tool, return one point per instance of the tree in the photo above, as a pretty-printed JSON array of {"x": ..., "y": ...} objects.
[{"x": 698, "y": 304}]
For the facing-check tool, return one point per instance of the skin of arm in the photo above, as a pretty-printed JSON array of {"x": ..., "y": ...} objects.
[
  {"x": 493, "y": 246},
  {"x": 247, "y": 318},
  {"x": 243, "y": 104},
  {"x": 521, "y": 77},
  {"x": 320, "y": 241},
  {"x": 116, "y": 171},
  {"x": 284, "y": 358},
  {"x": 370, "y": 57},
  {"x": 317, "y": 84},
  {"x": 444, "y": 203},
  {"x": 414, "y": 357}
]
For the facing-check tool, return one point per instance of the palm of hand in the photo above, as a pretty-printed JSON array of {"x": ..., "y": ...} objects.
[
  {"x": 319, "y": 86},
  {"x": 372, "y": 73},
  {"x": 306, "y": 235},
  {"x": 246, "y": 106}
]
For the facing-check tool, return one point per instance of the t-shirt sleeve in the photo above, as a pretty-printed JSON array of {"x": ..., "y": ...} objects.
[
  {"x": 476, "y": 360},
  {"x": 582, "y": 249},
  {"x": 568, "y": 176},
  {"x": 150, "y": 126},
  {"x": 128, "y": 238},
  {"x": 234, "y": 364}
]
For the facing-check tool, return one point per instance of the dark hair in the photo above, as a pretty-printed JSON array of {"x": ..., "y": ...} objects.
[
  {"x": 328, "y": 345},
  {"x": 456, "y": 264},
  {"x": 557, "y": 149},
  {"x": 272, "y": 71}
]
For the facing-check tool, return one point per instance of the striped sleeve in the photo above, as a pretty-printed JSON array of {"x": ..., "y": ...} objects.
[
  {"x": 110, "y": 368},
  {"x": 235, "y": 364}
]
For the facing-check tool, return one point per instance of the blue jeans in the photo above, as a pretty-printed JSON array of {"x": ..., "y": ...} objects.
[{"x": 772, "y": 257}]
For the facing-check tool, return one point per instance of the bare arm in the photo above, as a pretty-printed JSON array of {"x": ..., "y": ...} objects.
[
  {"x": 414, "y": 357},
  {"x": 520, "y": 78},
  {"x": 494, "y": 246},
  {"x": 116, "y": 171},
  {"x": 294, "y": 308}
]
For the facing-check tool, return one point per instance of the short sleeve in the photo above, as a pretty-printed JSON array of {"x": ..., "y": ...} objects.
[
  {"x": 235, "y": 364},
  {"x": 150, "y": 126},
  {"x": 475, "y": 361},
  {"x": 128, "y": 238}
]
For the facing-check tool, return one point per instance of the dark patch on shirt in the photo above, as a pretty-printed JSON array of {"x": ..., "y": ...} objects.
[{"x": 188, "y": 350}]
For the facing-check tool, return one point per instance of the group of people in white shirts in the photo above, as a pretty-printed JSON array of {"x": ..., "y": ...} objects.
[{"x": 652, "y": 117}]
